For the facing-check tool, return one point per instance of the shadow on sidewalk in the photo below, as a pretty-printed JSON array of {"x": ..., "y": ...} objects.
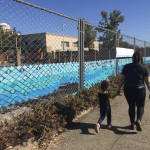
[{"x": 85, "y": 126}]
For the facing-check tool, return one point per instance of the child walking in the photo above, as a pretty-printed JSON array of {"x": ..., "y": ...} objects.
[{"x": 105, "y": 107}]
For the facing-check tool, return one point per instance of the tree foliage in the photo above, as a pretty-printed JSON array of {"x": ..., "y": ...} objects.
[
  {"x": 11, "y": 38},
  {"x": 5, "y": 40},
  {"x": 89, "y": 36},
  {"x": 108, "y": 38},
  {"x": 125, "y": 44}
]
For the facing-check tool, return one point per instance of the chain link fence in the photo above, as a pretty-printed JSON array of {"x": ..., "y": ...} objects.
[
  {"x": 45, "y": 54},
  {"x": 38, "y": 55},
  {"x": 99, "y": 54},
  {"x": 132, "y": 43},
  {"x": 125, "y": 42},
  {"x": 147, "y": 49}
]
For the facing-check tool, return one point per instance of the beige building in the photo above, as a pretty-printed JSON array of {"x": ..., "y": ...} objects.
[
  {"x": 53, "y": 42},
  {"x": 5, "y": 27},
  {"x": 49, "y": 41}
]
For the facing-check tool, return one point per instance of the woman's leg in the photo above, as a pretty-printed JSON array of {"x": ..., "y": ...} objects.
[
  {"x": 131, "y": 111},
  {"x": 130, "y": 93},
  {"x": 140, "y": 112},
  {"x": 140, "y": 102}
]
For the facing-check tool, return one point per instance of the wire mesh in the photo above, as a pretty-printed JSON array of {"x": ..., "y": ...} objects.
[
  {"x": 139, "y": 46},
  {"x": 147, "y": 49},
  {"x": 38, "y": 55},
  {"x": 147, "y": 60},
  {"x": 128, "y": 43},
  {"x": 99, "y": 54}
]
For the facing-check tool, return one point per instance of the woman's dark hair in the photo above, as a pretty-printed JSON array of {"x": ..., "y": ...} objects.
[
  {"x": 137, "y": 57},
  {"x": 104, "y": 85}
]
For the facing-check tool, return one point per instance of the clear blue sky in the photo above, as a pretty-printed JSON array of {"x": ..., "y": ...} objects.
[{"x": 136, "y": 12}]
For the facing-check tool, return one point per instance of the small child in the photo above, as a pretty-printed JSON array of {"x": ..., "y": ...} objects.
[{"x": 105, "y": 107}]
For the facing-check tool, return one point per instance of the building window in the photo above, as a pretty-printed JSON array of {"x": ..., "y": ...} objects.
[
  {"x": 26, "y": 43},
  {"x": 66, "y": 44},
  {"x": 75, "y": 44}
]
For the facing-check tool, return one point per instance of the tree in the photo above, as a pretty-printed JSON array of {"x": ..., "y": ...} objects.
[
  {"x": 89, "y": 36},
  {"x": 5, "y": 38},
  {"x": 9, "y": 38},
  {"x": 108, "y": 38},
  {"x": 125, "y": 44},
  {"x": 14, "y": 30}
]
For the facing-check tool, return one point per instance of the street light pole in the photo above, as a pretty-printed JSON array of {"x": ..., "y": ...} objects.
[
  {"x": 63, "y": 35},
  {"x": 16, "y": 50}
]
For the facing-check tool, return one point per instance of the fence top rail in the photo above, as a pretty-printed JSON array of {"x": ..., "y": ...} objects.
[
  {"x": 133, "y": 38},
  {"x": 147, "y": 42},
  {"x": 114, "y": 32},
  {"x": 100, "y": 27},
  {"x": 143, "y": 41},
  {"x": 127, "y": 36},
  {"x": 50, "y": 11}
]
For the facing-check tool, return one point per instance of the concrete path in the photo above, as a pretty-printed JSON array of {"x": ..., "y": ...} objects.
[{"x": 82, "y": 135}]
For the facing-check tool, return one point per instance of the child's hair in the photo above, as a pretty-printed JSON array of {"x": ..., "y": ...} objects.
[{"x": 104, "y": 85}]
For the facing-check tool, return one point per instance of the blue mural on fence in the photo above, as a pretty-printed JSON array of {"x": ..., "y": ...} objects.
[{"x": 28, "y": 82}]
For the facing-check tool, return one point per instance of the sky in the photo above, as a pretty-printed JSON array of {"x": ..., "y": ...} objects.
[{"x": 136, "y": 12}]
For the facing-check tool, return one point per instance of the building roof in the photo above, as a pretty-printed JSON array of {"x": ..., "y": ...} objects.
[{"x": 4, "y": 24}]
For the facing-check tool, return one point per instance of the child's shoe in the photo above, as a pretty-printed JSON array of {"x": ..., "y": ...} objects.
[{"x": 97, "y": 126}]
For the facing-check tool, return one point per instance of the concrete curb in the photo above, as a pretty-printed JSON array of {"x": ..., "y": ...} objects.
[{"x": 84, "y": 112}]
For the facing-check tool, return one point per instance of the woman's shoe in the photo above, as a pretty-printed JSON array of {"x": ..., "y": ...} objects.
[
  {"x": 109, "y": 126},
  {"x": 138, "y": 125},
  {"x": 131, "y": 127},
  {"x": 97, "y": 126}
]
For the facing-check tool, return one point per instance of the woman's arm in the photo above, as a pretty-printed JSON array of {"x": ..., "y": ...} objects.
[
  {"x": 147, "y": 81},
  {"x": 122, "y": 80}
]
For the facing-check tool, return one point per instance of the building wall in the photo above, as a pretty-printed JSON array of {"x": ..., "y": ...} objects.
[
  {"x": 53, "y": 42},
  {"x": 5, "y": 28},
  {"x": 96, "y": 45},
  {"x": 35, "y": 41}
]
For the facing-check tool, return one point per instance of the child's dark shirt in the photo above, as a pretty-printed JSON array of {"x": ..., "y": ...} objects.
[{"x": 104, "y": 99}]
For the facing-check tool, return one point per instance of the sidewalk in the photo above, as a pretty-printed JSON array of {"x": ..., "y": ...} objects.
[{"x": 83, "y": 136}]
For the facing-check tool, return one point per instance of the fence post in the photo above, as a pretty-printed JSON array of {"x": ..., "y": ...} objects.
[
  {"x": 81, "y": 54},
  {"x": 54, "y": 54},
  {"x": 117, "y": 45},
  {"x": 18, "y": 57},
  {"x": 134, "y": 45},
  {"x": 71, "y": 56},
  {"x": 144, "y": 51},
  {"x": 59, "y": 55},
  {"x": 95, "y": 55}
]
